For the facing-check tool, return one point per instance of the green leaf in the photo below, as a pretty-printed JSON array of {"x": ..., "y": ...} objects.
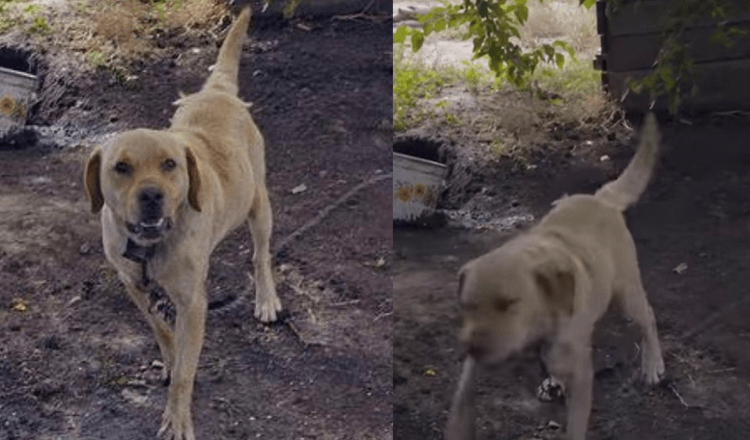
[
  {"x": 559, "y": 60},
  {"x": 400, "y": 35},
  {"x": 439, "y": 24},
  {"x": 522, "y": 13},
  {"x": 665, "y": 73},
  {"x": 587, "y": 3},
  {"x": 417, "y": 39}
]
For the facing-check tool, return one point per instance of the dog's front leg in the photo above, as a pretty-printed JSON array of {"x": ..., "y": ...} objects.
[
  {"x": 579, "y": 398},
  {"x": 462, "y": 413},
  {"x": 162, "y": 331},
  {"x": 188, "y": 340}
]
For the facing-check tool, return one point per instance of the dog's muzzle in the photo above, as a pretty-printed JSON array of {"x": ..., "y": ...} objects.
[{"x": 152, "y": 222}]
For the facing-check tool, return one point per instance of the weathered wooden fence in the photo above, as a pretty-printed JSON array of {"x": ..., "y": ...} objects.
[{"x": 631, "y": 37}]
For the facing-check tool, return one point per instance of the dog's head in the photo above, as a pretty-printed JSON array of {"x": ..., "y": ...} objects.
[
  {"x": 509, "y": 297},
  {"x": 145, "y": 177}
]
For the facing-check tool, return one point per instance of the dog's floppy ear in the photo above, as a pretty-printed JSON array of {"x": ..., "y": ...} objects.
[
  {"x": 194, "y": 180},
  {"x": 556, "y": 281},
  {"x": 92, "y": 180}
]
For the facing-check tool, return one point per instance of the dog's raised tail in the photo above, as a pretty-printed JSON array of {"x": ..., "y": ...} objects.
[
  {"x": 226, "y": 69},
  {"x": 627, "y": 189}
]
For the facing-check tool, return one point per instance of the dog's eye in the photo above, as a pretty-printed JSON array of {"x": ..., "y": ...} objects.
[
  {"x": 123, "y": 168},
  {"x": 168, "y": 165},
  {"x": 502, "y": 304}
]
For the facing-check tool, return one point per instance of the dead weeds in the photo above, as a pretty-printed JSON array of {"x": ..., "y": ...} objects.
[{"x": 112, "y": 32}]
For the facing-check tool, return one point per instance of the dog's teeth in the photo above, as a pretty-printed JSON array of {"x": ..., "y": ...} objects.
[{"x": 153, "y": 225}]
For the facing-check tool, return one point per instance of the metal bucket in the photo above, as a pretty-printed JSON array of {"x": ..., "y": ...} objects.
[
  {"x": 416, "y": 185},
  {"x": 16, "y": 90}
]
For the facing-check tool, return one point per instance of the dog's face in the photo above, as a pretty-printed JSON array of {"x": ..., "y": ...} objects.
[
  {"x": 145, "y": 177},
  {"x": 495, "y": 312},
  {"x": 506, "y": 299}
]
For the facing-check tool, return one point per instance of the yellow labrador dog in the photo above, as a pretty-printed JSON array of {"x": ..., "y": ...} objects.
[
  {"x": 551, "y": 285},
  {"x": 167, "y": 199}
]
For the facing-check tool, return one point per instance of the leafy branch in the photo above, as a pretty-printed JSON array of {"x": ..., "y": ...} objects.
[
  {"x": 494, "y": 26},
  {"x": 674, "y": 75}
]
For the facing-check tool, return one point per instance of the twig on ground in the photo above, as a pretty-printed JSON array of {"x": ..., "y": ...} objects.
[
  {"x": 382, "y": 315},
  {"x": 360, "y": 14},
  {"x": 327, "y": 210},
  {"x": 345, "y": 303},
  {"x": 296, "y": 332},
  {"x": 703, "y": 325},
  {"x": 678, "y": 396}
]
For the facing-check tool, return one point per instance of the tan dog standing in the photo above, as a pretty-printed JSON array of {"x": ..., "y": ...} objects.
[
  {"x": 167, "y": 199},
  {"x": 551, "y": 285}
]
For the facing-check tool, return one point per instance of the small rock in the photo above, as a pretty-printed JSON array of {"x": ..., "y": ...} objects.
[
  {"x": 132, "y": 396},
  {"x": 18, "y": 305},
  {"x": 604, "y": 158},
  {"x": 680, "y": 269},
  {"x": 299, "y": 189},
  {"x": 85, "y": 249}
]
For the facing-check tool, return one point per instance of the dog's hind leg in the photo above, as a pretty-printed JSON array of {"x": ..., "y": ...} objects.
[
  {"x": 261, "y": 223},
  {"x": 636, "y": 307}
]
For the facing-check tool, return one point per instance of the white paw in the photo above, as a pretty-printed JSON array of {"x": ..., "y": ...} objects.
[
  {"x": 266, "y": 308},
  {"x": 176, "y": 427},
  {"x": 653, "y": 371}
]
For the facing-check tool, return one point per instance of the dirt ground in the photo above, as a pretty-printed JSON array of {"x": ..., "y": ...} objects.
[
  {"x": 696, "y": 211},
  {"x": 76, "y": 358}
]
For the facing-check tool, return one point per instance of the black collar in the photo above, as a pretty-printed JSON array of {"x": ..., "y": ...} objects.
[
  {"x": 141, "y": 255},
  {"x": 158, "y": 299}
]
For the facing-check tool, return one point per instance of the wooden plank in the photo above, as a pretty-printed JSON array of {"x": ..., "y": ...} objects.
[
  {"x": 722, "y": 86},
  {"x": 635, "y": 52},
  {"x": 646, "y": 17}
]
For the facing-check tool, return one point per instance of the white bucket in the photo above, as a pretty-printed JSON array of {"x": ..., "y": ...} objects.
[
  {"x": 416, "y": 186},
  {"x": 16, "y": 90}
]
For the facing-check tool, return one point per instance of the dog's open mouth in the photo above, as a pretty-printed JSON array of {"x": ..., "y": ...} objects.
[{"x": 150, "y": 229}]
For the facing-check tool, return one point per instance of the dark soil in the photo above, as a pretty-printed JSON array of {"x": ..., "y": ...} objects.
[
  {"x": 76, "y": 356},
  {"x": 696, "y": 211}
]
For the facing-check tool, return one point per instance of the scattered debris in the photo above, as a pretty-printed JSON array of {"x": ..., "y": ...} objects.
[
  {"x": 377, "y": 264},
  {"x": 18, "y": 305},
  {"x": 680, "y": 269},
  {"x": 299, "y": 189},
  {"x": 85, "y": 249}
]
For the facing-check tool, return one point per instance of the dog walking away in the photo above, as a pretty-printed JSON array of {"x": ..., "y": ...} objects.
[
  {"x": 547, "y": 288},
  {"x": 167, "y": 198}
]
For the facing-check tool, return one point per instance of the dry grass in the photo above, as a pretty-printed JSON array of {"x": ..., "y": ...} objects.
[
  {"x": 561, "y": 20},
  {"x": 112, "y": 32},
  {"x": 123, "y": 29}
]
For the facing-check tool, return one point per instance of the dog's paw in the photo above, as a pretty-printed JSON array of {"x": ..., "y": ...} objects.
[
  {"x": 266, "y": 310},
  {"x": 549, "y": 390},
  {"x": 176, "y": 427},
  {"x": 653, "y": 372}
]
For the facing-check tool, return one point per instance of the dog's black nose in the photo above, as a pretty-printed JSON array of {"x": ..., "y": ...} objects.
[{"x": 151, "y": 199}]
